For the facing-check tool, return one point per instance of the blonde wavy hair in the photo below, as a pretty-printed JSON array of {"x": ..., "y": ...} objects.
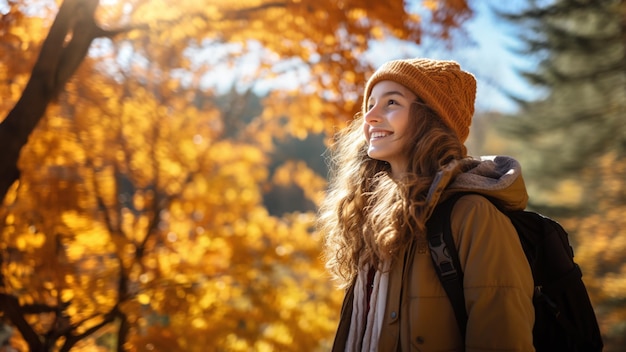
[{"x": 366, "y": 216}]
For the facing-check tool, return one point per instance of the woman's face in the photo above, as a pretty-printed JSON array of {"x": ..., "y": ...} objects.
[{"x": 385, "y": 124}]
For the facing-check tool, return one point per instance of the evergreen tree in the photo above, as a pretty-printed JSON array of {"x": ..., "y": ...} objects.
[{"x": 580, "y": 45}]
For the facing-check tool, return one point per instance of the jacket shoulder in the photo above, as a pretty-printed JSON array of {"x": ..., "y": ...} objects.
[{"x": 473, "y": 202}]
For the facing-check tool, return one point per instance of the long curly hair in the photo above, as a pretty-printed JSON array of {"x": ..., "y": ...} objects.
[{"x": 366, "y": 216}]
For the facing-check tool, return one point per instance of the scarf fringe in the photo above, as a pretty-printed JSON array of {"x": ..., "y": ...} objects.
[{"x": 365, "y": 331}]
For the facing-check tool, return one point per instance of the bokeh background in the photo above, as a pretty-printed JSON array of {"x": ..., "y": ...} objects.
[{"x": 162, "y": 161}]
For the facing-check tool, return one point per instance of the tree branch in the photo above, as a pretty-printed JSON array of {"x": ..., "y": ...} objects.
[
  {"x": 11, "y": 308},
  {"x": 71, "y": 340}
]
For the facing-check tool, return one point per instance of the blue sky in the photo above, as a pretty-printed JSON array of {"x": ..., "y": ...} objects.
[{"x": 490, "y": 57}]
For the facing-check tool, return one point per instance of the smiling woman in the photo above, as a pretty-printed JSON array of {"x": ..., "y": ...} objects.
[{"x": 391, "y": 167}]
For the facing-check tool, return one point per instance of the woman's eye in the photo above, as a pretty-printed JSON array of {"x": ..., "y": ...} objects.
[{"x": 389, "y": 102}]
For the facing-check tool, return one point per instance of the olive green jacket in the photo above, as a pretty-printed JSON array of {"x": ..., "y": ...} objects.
[{"x": 497, "y": 281}]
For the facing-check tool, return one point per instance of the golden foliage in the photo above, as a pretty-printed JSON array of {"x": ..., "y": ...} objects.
[
  {"x": 600, "y": 240},
  {"x": 299, "y": 174},
  {"x": 21, "y": 37},
  {"x": 141, "y": 199}
]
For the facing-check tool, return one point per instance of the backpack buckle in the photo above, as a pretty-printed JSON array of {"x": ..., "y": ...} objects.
[{"x": 441, "y": 257}]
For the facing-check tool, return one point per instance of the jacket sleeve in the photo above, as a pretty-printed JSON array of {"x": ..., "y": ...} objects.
[{"x": 497, "y": 281}]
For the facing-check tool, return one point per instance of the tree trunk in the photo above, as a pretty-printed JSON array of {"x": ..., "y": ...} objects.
[{"x": 57, "y": 62}]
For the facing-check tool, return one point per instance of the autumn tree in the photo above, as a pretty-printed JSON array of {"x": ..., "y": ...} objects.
[
  {"x": 574, "y": 139},
  {"x": 137, "y": 221}
]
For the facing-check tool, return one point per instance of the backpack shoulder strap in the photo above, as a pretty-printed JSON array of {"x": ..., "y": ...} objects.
[{"x": 445, "y": 258}]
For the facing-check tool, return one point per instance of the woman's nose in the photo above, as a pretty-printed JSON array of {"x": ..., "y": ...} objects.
[{"x": 372, "y": 116}]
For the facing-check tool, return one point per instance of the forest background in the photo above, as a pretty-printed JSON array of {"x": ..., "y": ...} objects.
[{"x": 162, "y": 160}]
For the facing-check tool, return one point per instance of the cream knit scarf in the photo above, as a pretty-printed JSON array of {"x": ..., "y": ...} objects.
[{"x": 365, "y": 331}]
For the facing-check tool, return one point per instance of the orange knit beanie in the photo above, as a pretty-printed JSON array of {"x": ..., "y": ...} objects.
[{"x": 441, "y": 85}]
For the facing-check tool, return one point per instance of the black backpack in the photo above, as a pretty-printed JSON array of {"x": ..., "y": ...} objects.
[{"x": 564, "y": 317}]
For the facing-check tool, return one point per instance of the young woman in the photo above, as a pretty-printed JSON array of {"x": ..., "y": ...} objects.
[{"x": 397, "y": 160}]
